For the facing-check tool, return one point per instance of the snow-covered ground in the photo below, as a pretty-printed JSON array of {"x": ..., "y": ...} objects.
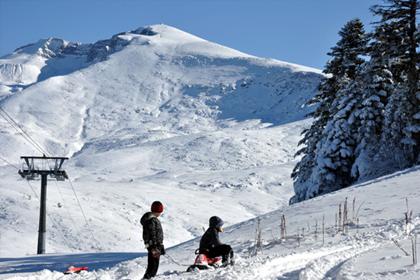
[
  {"x": 155, "y": 113},
  {"x": 114, "y": 190},
  {"x": 159, "y": 114},
  {"x": 365, "y": 250}
]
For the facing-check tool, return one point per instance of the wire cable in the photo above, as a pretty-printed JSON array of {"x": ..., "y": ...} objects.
[
  {"x": 50, "y": 218},
  {"x": 28, "y": 138},
  {"x": 38, "y": 147},
  {"x": 33, "y": 190},
  {"x": 62, "y": 198},
  {"x": 83, "y": 213},
  {"x": 24, "y": 132},
  {"x": 21, "y": 131},
  {"x": 9, "y": 163}
]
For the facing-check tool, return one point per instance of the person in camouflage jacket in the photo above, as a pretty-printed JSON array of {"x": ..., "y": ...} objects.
[{"x": 153, "y": 238}]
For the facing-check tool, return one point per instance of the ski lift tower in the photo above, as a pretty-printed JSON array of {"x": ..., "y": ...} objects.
[{"x": 34, "y": 167}]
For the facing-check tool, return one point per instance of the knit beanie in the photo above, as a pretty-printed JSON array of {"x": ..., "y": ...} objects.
[
  {"x": 157, "y": 207},
  {"x": 215, "y": 222}
]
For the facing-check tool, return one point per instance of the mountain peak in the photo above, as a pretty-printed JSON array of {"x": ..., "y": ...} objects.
[
  {"x": 185, "y": 43},
  {"x": 49, "y": 47},
  {"x": 167, "y": 31},
  {"x": 54, "y": 56}
]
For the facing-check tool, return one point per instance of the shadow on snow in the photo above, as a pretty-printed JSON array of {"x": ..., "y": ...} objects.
[{"x": 61, "y": 262}]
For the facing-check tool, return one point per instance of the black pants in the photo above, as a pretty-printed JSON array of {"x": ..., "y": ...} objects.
[
  {"x": 152, "y": 266},
  {"x": 225, "y": 251}
]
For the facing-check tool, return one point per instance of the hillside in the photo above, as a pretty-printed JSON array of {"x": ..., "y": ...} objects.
[
  {"x": 159, "y": 114},
  {"x": 157, "y": 86},
  {"x": 155, "y": 113},
  {"x": 365, "y": 250}
]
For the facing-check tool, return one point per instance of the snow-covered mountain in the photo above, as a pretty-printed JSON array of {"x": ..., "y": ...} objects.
[
  {"x": 157, "y": 82},
  {"x": 152, "y": 83},
  {"x": 155, "y": 113}
]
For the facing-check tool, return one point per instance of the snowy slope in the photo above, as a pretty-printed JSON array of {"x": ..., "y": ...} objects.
[
  {"x": 155, "y": 87},
  {"x": 39, "y": 61},
  {"x": 158, "y": 113},
  {"x": 366, "y": 250},
  {"x": 155, "y": 113},
  {"x": 121, "y": 188}
]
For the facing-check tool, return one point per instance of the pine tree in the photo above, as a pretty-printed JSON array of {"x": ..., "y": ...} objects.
[
  {"x": 377, "y": 85},
  {"x": 340, "y": 69},
  {"x": 336, "y": 153},
  {"x": 311, "y": 136},
  {"x": 402, "y": 112},
  {"x": 367, "y": 120}
]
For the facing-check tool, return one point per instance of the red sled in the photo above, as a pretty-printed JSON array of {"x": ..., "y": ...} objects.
[
  {"x": 202, "y": 261},
  {"x": 75, "y": 269}
]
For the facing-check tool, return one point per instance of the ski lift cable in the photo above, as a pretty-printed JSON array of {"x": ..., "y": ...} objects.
[
  {"x": 55, "y": 223},
  {"x": 11, "y": 123},
  {"x": 27, "y": 137},
  {"x": 9, "y": 163},
  {"x": 24, "y": 132},
  {"x": 62, "y": 198},
  {"x": 24, "y": 137},
  {"x": 21, "y": 131},
  {"x": 83, "y": 213},
  {"x": 37, "y": 197},
  {"x": 30, "y": 140},
  {"x": 33, "y": 190},
  {"x": 52, "y": 221}
]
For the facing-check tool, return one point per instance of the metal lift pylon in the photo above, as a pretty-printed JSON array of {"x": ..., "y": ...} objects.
[{"x": 30, "y": 171}]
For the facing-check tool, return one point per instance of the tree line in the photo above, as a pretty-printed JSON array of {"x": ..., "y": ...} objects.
[{"x": 367, "y": 109}]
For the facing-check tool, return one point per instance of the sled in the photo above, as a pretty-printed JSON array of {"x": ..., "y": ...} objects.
[
  {"x": 202, "y": 262},
  {"x": 74, "y": 269}
]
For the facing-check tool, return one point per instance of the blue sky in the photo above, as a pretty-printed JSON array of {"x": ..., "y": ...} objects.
[{"x": 298, "y": 31}]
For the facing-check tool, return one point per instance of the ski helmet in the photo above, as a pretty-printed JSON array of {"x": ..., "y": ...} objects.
[
  {"x": 157, "y": 207},
  {"x": 215, "y": 222}
]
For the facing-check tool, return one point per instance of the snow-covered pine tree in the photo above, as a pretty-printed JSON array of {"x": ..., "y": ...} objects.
[
  {"x": 336, "y": 151},
  {"x": 340, "y": 69},
  {"x": 311, "y": 136},
  {"x": 417, "y": 115},
  {"x": 402, "y": 112},
  {"x": 376, "y": 86}
]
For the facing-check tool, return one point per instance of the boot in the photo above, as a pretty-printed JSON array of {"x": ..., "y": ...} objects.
[{"x": 228, "y": 259}]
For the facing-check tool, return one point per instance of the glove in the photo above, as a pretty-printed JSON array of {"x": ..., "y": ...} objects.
[
  {"x": 155, "y": 253},
  {"x": 162, "y": 250}
]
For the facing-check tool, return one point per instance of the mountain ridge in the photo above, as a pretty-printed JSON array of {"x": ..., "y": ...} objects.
[
  {"x": 168, "y": 117},
  {"x": 172, "y": 70},
  {"x": 36, "y": 55}
]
